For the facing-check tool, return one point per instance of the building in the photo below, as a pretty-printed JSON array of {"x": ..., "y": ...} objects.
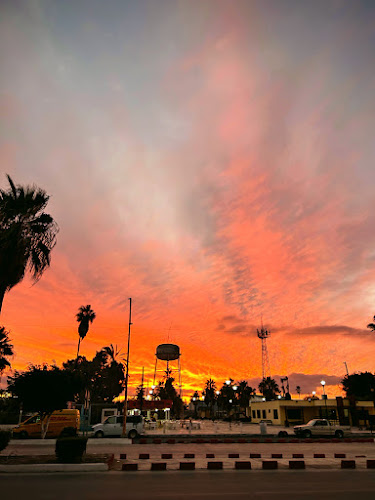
[{"x": 293, "y": 412}]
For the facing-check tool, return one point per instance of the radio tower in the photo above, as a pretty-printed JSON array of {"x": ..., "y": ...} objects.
[{"x": 263, "y": 334}]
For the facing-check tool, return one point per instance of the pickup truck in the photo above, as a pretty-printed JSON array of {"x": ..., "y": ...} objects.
[{"x": 320, "y": 427}]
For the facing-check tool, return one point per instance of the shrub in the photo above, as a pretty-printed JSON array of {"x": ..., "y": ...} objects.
[
  {"x": 4, "y": 439},
  {"x": 70, "y": 449}
]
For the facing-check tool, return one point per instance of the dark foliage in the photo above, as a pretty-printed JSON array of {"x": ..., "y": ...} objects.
[
  {"x": 166, "y": 390},
  {"x": 103, "y": 377},
  {"x": 4, "y": 439},
  {"x": 269, "y": 388},
  {"x": 70, "y": 449},
  {"x": 360, "y": 385},
  {"x": 6, "y": 349},
  {"x": 27, "y": 235},
  {"x": 44, "y": 389}
]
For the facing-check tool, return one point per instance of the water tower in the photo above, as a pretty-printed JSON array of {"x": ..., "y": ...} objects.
[{"x": 168, "y": 353}]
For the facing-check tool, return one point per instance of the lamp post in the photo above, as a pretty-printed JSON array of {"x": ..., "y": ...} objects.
[{"x": 323, "y": 383}]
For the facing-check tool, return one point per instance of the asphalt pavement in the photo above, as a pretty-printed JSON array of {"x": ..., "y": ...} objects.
[{"x": 198, "y": 485}]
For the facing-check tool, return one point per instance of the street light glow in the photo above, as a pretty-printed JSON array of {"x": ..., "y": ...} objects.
[
  {"x": 235, "y": 387},
  {"x": 227, "y": 382},
  {"x": 323, "y": 382}
]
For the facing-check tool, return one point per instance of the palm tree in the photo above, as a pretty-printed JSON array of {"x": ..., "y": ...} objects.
[
  {"x": 113, "y": 354},
  {"x": 84, "y": 316},
  {"x": 209, "y": 394},
  {"x": 244, "y": 393},
  {"x": 269, "y": 388},
  {"x": 6, "y": 349},
  {"x": 371, "y": 325},
  {"x": 27, "y": 235}
]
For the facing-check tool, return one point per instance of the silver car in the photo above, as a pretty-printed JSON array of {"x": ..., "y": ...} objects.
[{"x": 112, "y": 427}]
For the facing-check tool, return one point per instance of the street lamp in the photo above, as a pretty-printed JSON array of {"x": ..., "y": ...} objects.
[
  {"x": 227, "y": 382},
  {"x": 235, "y": 387},
  {"x": 323, "y": 383}
]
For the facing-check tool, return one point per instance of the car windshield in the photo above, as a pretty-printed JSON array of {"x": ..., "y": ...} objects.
[{"x": 311, "y": 422}]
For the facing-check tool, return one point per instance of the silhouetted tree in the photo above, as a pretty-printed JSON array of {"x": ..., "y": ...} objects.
[
  {"x": 140, "y": 394},
  {"x": 166, "y": 390},
  {"x": 102, "y": 377},
  {"x": 269, "y": 388},
  {"x": 371, "y": 325},
  {"x": 195, "y": 400},
  {"x": 209, "y": 394},
  {"x": 244, "y": 393},
  {"x": 84, "y": 316},
  {"x": 27, "y": 235},
  {"x": 44, "y": 389},
  {"x": 112, "y": 354},
  {"x": 227, "y": 397},
  {"x": 6, "y": 349},
  {"x": 360, "y": 385}
]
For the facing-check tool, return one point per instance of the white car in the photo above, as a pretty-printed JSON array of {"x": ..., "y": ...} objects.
[
  {"x": 320, "y": 427},
  {"x": 112, "y": 427}
]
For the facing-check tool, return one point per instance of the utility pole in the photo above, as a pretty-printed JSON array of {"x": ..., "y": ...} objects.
[
  {"x": 127, "y": 372},
  {"x": 143, "y": 374}
]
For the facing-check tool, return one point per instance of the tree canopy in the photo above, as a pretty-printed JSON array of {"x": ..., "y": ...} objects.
[
  {"x": 85, "y": 316},
  {"x": 166, "y": 390},
  {"x": 269, "y": 388},
  {"x": 27, "y": 235},
  {"x": 103, "y": 376},
  {"x": 6, "y": 349},
  {"x": 44, "y": 389},
  {"x": 360, "y": 385}
]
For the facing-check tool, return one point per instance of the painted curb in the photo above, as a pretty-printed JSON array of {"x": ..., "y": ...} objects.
[{"x": 54, "y": 468}]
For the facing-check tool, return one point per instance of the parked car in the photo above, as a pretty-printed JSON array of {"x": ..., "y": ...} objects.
[
  {"x": 320, "y": 427},
  {"x": 62, "y": 423},
  {"x": 112, "y": 427}
]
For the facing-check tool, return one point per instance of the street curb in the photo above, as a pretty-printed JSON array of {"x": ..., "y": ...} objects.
[{"x": 54, "y": 468}]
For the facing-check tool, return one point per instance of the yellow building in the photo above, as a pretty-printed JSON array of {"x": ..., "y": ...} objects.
[{"x": 298, "y": 411}]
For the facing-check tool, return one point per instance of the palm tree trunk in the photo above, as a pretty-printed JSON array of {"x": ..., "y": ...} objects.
[
  {"x": 79, "y": 343},
  {"x": 2, "y": 293}
]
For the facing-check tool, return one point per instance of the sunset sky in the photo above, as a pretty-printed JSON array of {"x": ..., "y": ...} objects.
[{"x": 213, "y": 160}]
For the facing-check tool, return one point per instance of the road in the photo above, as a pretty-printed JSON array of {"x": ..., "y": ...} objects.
[{"x": 214, "y": 485}]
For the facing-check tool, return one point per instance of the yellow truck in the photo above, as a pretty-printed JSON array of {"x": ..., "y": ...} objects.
[{"x": 62, "y": 422}]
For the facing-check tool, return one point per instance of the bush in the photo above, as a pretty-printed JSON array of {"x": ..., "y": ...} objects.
[
  {"x": 4, "y": 439},
  {"x": 70, "y": 449}
]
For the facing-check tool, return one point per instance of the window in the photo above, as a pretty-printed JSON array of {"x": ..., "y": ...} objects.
[
  {"x": 275, "y": 414},
  {"x": 258, "y": 413},
  {"x": 253, "y": 413},
  {"x": 294, "y": 414},
  {"x": 111, "y": 420},
  {"x": 33, "y": 420},
  {"x": 264, "y": 413},
  {"x": 269, "y": 411}
]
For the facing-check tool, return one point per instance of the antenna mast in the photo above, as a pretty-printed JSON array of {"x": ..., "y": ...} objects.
[{"x": 263, "y": 334}]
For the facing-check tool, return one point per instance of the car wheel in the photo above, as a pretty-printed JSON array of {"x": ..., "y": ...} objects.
[
  {"x": 99, "y": 434},
  {"x": 132, "y": 434},
  {"x": 306, "y": 434},
  {"x": 339, "y": 434},
  {"x": 23, "y": 435}
]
